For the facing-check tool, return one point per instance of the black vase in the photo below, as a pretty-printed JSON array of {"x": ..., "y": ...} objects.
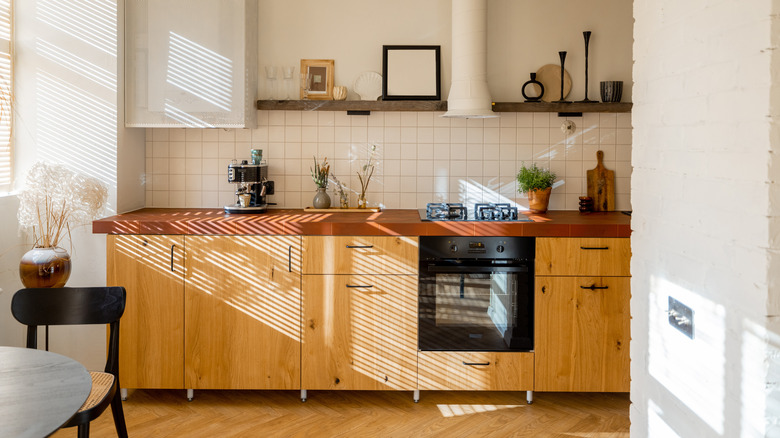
[{"x": 563, "y": 73}]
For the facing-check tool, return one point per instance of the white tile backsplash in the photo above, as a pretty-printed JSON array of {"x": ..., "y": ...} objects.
[{"x": 421, "y": 157}]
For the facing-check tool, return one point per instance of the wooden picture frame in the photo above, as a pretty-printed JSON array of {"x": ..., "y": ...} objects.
[
  {"x": 411, "y": 72},
  {"x": 320, "y": 81}
]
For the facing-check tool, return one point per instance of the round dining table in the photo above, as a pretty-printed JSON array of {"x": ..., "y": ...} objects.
[{"x": 39, "y": 391}]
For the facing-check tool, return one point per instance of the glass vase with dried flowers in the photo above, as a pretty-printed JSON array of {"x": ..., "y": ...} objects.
[
  {"x": 54, "y": 201},
  {"x": 364, "y": 175},
  {"x": 342, "y": 191},
  {"x": 319, "y": 173}
]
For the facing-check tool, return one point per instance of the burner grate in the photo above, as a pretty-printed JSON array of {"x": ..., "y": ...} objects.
[
  {"x": 446, "y": 211},
  {"x": 495, "y": 212}
]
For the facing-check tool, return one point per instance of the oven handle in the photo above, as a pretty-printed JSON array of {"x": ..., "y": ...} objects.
[{"x": 477, "y": 269}]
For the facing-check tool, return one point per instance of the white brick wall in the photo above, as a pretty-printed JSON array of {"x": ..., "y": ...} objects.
[
  {"x": 705, "y": 203},
  {"x": 422, "y": 157}
]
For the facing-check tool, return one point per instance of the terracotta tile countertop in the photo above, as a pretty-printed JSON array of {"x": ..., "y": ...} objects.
[{"x": 387, "y": 222}]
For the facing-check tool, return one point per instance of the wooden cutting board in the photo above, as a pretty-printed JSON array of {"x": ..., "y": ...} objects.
[{"x": 601, "y": 185}]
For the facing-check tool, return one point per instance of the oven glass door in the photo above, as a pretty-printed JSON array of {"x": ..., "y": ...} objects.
[{"x": 476, "y": 306}]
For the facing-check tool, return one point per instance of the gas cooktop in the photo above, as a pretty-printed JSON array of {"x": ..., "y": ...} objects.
[{"x": 482, "y": 212}]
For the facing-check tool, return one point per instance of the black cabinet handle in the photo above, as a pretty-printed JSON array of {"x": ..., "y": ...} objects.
[
  {"x": 359, "y": 285},
  {"x": 360, "y": 246},
  {"x": 476, "y": 363},
  {"x": 594, "y": 247},
  {"x": 172, "y": 246},
  {"x": 289, "y": 258},
  {"x": 594, "y": 287},
  {"x": 144, "y": 242}
]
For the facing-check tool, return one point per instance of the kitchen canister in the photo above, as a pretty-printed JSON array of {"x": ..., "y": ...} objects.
[{"x": 611, "y": 91}]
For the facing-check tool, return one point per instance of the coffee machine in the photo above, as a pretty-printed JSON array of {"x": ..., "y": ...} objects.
[{"x": 252, "y": 187}]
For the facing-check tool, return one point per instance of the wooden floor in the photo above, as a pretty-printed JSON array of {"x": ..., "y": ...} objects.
[{"x": 165, "y": 413}]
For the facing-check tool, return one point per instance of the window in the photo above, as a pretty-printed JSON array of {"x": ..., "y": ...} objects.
[{"x": 6, "y": 83}]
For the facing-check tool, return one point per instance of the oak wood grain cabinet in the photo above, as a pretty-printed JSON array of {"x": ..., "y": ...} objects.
[
  {"x": 582, "y": 317},
  {"x": 242, "y": 312},
  {"x": 359, "y": 313},
  {"x": 476, "y": 371},
  {"x": 222, "y": 314},
  {"x": 151, "y": 342}
]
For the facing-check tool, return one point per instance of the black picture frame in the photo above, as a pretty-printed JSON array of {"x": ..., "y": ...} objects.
[{"x": 411, "y": 72}]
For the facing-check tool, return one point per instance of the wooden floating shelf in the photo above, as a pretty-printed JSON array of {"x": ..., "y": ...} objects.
[
  {"x": 436, "y": 105},
  {"x": 552, "y": 107},
  {"x": 352, "y": 105}
]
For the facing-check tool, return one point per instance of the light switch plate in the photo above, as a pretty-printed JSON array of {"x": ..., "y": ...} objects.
[{"x": 681, "y": 317}]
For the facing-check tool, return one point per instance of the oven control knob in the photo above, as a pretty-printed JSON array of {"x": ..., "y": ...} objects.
[
  {"x": 500, "y": 248},
  {"x": 453, "y": 248}
]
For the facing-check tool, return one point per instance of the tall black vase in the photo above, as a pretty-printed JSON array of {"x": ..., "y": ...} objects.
[
  {"x": 586, "y": 35},
  {"x": 563, "y": 74}
]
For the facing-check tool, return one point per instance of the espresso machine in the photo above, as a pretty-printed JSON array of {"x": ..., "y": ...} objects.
[{"x": 252, "y": 187}]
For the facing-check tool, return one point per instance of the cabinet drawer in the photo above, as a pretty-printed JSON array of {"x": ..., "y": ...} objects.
[
  {"x": 475, "y": 371},
  {"x": 360, "y": 255},
  {"x": 583, "y": 256}
]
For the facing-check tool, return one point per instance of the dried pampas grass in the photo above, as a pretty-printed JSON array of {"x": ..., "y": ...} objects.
[{"x": 55, "y": 199}]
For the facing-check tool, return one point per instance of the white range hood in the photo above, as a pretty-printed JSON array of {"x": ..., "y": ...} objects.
[{"x": 469, "y": 96}]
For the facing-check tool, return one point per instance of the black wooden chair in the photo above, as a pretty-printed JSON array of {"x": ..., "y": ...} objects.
[{"x": 80, "y": 305}]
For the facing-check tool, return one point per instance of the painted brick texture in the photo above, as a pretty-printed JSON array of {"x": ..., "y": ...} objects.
[{"x": 704, "y": 203}]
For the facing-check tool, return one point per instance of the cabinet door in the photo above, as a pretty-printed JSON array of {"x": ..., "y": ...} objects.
[
  {"x": 360, "y": 255},
  {"x": 583, "y": 256},
  {"x": 190, "y": 63},
  {"x": 151, "y": 339},
  {"x": 396, "y": 331},
  {"x": 242, "y": 312},
  {"x": 582, "y": 334},
  {"x": 359, "y": 332},
  {"x": 476, "y": 371}
]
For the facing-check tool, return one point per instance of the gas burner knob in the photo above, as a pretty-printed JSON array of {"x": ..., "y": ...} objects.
[
  {"x": 453, "y": 248},
  {"x": 500, "y": 248}
]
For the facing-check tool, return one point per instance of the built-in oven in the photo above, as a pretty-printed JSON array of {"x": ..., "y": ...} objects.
[{"x": 476, "y": 293}]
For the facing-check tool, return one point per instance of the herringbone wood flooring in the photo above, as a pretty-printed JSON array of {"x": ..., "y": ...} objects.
[{"x": 166, "y": 413}]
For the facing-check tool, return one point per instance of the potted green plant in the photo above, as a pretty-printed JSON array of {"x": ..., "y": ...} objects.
[{"x": 537, "y": 183}]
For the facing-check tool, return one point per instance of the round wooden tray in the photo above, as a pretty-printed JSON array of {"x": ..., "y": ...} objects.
[{"x": 550, "y": 76}]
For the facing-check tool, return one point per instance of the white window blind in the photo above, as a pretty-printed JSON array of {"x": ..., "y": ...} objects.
[{"x": 6, "y": 84}]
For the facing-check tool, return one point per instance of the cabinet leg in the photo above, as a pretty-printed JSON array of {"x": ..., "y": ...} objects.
[
  {"x": 123, "y": 393},
  {"x": 190, "y": 394},
  {"x": 303, "y": 395},
  {"x": 529, "y": 396},
  {"x": 416, "y": 396}
]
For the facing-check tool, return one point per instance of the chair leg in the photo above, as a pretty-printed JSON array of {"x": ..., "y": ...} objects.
[
  {"x": 84, "y": 430},
  {"x": 119, "y": 415}
]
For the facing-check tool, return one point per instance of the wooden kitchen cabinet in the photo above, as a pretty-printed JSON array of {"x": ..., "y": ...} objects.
[
  {"x": 476, "y": 371},
  {"x": 582, "y": 334},
  {"x": 151, "y": 342},
  {"x": 583, "y": 256},
  {"x": 242, "y": 312},
  {"x": 360, "y": 332},
  {"x": 360, "y": 255},
  {"x": 359, "y": 313},
  {"x": 582, "y": 315}
]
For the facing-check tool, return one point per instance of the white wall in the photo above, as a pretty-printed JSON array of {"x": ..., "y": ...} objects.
[
  {"x": 523, "y": 36},
  {"x": 704, "y": 225},
  {"x": 67, "y": 111}
]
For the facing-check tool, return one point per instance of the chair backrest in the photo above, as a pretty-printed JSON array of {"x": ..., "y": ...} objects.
[{"x": 70, "y": 306}]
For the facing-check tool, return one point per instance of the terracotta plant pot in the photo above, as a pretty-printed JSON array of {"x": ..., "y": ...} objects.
[
  {"x": 538, "y": 199},
  {"x": 45, "y": 267}
]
